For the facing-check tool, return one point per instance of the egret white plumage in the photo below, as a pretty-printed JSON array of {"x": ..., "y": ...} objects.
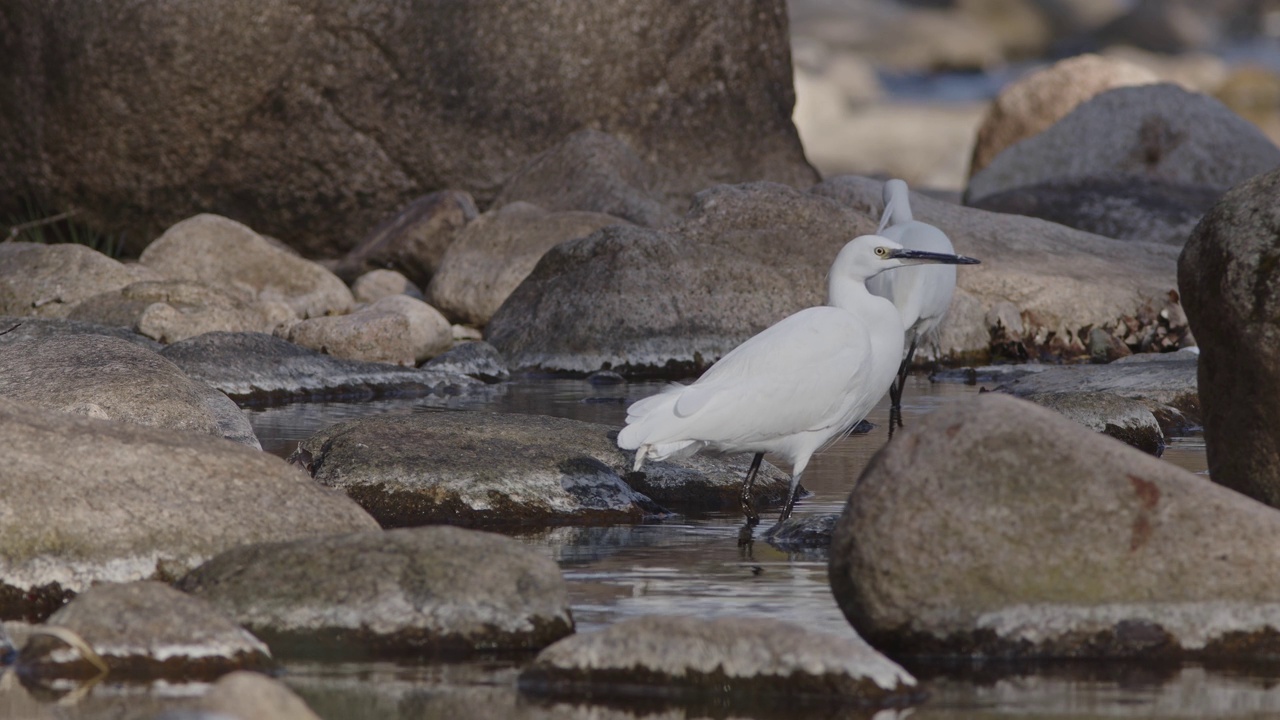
[
  {"x": 921, "y": 294},
  {"x": 794, "y": 387}
]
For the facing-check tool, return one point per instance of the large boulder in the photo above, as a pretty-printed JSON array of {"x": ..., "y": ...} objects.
[
  {"x": 999, "y": 528},
  {"x": 229, "y": 256},
  {"x": 1153, "y": 131},
  {"x": 433, "y": 590},
  {"x": 313, "y": 123},
  {"x": 1231, "y": 289},
  {"x": 1037, "y": 100},
  {"x": 495, "y": 253},
  {"x": 88, "y": 501},
  {"x": 676, "y": 298},
  {"x": 51, "y": 280}
]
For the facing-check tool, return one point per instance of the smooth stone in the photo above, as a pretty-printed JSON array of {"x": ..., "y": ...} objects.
[
  {"x": 493, "y": 254},
  {"x": 226, "y": 254},
  {"x": 143, "y": 630},
  {"x": 377, "y": 284},
  {"x": 1015, "y": 305},
  {"x": 431, "y": 591},
  {"x": 430, "y": 333},
  {"x": 674, "y": 299},
  {"x": 1037, "y": 100},
  {"x": 595, "y": 172},
  {"x": 730, "y": 663},
  {"x": 14, "y": 329},
  {"x": 1125, "y": 208},
  {"x": 245, "y": 695},
  {"x": 172, "y": 310},
  {"x": 1227, "y": 276},
  {"x": 258, "y": 368},
  {"x": 1158, "y": 131},
  {"x": 51, "y": 280},
  {"x": 89, "y": 501},
  {"x": 476, "y": 358},
  {"x": 366, "y": 335},
  {"x": 413, "y": 239},
  {"x": 996, "y": 528},
  {"x": 1130, "y": 421},
  {"x": 513, "y": 469},
  {"x": 1168, "y": 389},
  {"x": 112, "y": 379}
]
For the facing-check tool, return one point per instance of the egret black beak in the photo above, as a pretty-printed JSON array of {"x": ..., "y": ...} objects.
[{"x": 924, "y": 256}]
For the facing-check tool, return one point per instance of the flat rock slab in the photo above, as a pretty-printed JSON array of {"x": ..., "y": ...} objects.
[
  {"x": 997, "y": 528},
  {"x": 87, "y": 501},
  {"x": 1129, "y": 421},
  {"x": 260, "y": 368},
  {"x": 477, "y": 359},
  {"x": 113, "y": 379},
  {"x": 1165, "y": 384},
  {"x": 436, "y": 590},
  {"x": 472, "y": 468},
  {"x": 142, "y": 630},
  {"x": 14, "y": 328},
  {"x": 740, "y": 662}
]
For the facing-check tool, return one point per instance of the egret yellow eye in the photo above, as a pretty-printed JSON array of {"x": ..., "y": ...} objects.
[{"x": 882, "y": 251}]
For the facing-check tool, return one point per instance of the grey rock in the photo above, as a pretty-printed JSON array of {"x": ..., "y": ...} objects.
[
  {"x": 740, "y": 662},
  {"x": 1227, "y": 274},
  {"x": 802, "y": 533},
  {"x": 377, "y": 284},
  {"x": 1125, "y": 208},
  {"x": 477, "y": 359},
  {"x": 998, "y": 528},
  {"x": 505, "y": 469},
  {"x": 89, "y": 501},
  {"x": 327, "y": 118},
  {"x": 1157, "y": 131},
  {"x": 244, "y": 695},
  {"x": 595, "y": 172},
  {"x": 143, "y": 630},
  {"x": 412, "y": 240},
  {"x": 366, "y": 335},
  {"x": 51, "y": 280},
  {"x": 107, "y": 378},
  {"x": 1015, "y": 305},
  {"x": 1168, "y": 389},
  {"x": 15, "y": 329},
  {"x": 258, "y": 368},
  {"x": 228, "y": 255},
  {"x": 173, "y": 310},
  {"x": 1127, "y": 420},
  {"x": 493, "y": 254},
  {"x": 423, "y": 591},
  {"x": 679, "y": 297}
]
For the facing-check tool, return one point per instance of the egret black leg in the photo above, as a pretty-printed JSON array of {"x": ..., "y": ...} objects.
[
  {"x": 899, "y": 383},
  {"x": 791, "y": 499},
  {"x": 748, "y": 505}
]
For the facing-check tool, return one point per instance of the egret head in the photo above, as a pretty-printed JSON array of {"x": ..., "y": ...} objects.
[{"x": 869, "y": 255}]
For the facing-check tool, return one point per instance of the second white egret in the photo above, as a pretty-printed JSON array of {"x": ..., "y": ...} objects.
[{"x": 797, "y": 385}]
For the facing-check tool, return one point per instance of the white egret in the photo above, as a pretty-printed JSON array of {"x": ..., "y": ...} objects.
[
  {"x": 794, "y": 387},
  {"x": 921, "y": 294}
]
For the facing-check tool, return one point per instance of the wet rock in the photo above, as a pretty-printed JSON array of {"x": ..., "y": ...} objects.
[
  {"x": 368, "y": 335},
  {"x": 434, "y": 590},
  {"x": 337, "y": 116},
  {"x": 1127, "y": 420},
  {"x": 1039, "y": 99},
  {"x": 704, "y": 483},
  {"x": 142, "y": 630},
  {"x": 469, "y": 468},
  {"x": 497, "y": 251},
  {"x": 228, "y": 255},
  {"x": 984, "y": 374},
  {"x": 252, "y": 367},
  {"x": 802, "y": 533},
  {"x": 676, "y": 298},
  {"x": 51, "y": 280},
  {"x": 88, "y": 501},
  {"x": 1130, "y": 208},
  {"x": 377, "y": 284},
  {"x": 736, "y": 662},
  {"x": 1158, "y": 132},
  {"x": 1015, "y": 306},
  {"x": 1058, "y": 543},
  {"x": 247, "y": 695},
  {"x": 1164, "y": 384},
  {"x": 429, "y": 332},
  {"x": 595, "y": 172},
  {"x": 412, "y": 240},
  {"x": 16, "y": 329},
  {"x": 1227, "y": 274},
  {"x": 173, "y": 310},
  {"x": 477, "y": 359},
  {"x": 111, "y": 379}
]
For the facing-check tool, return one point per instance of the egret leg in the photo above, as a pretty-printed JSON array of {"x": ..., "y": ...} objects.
[
  {"x": 791, "y": 499},
  {"x": 748, "y": 505},
  {"x": 899, "y": 383}
]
